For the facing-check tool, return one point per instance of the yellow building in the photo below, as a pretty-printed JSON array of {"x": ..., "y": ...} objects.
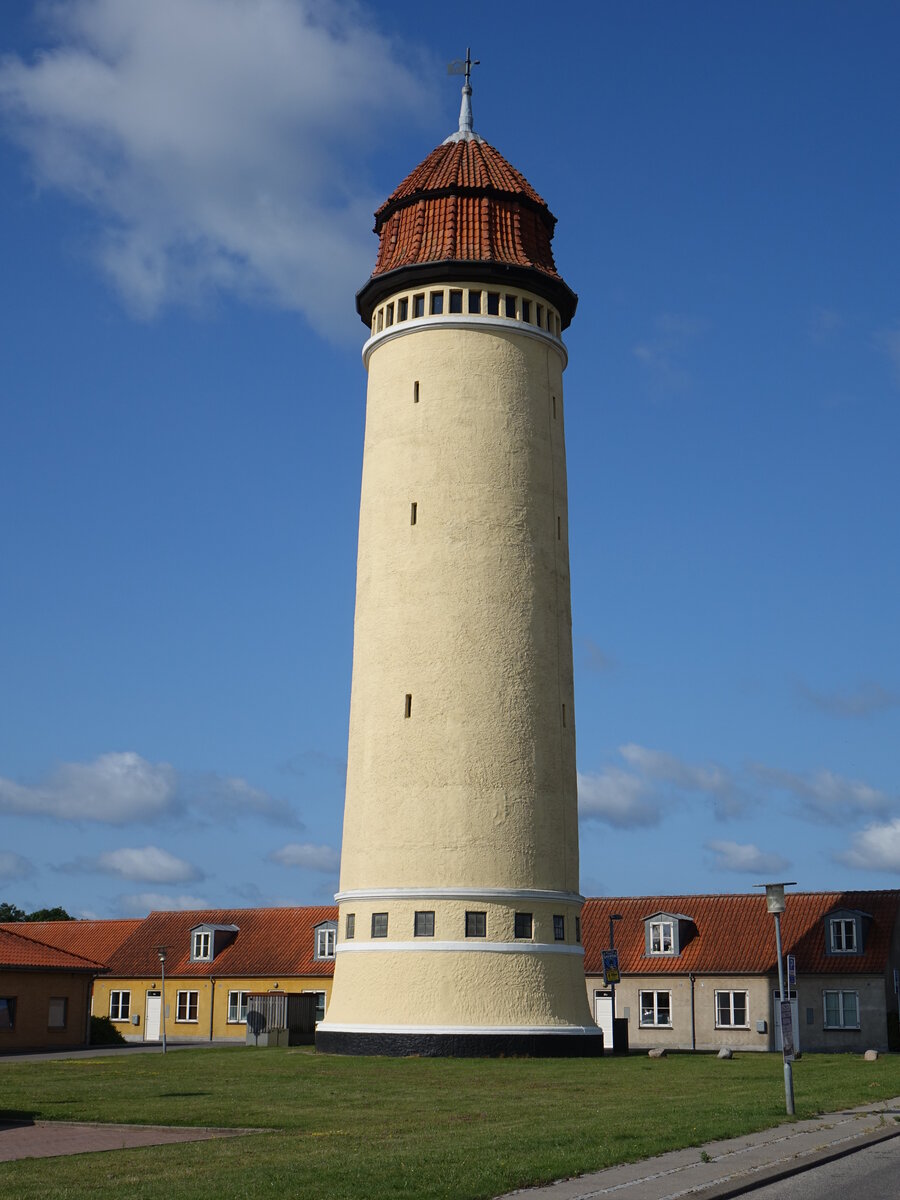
[
  {"x": 459, "y": 896},
  {"x": 213, "y": 960}
]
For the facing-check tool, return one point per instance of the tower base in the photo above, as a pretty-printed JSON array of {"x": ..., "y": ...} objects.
[{"x": 422, "y": 1044}]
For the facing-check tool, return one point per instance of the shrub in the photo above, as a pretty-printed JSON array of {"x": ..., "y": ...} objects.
[{"x": 104, "y": 1033}]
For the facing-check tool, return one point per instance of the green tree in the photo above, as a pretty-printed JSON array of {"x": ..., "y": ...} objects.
[
  {"x": 49, "y": 914},
  {"x": 9, "y": 912}
]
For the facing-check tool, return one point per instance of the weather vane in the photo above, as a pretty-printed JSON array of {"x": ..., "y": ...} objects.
[{"x": 459, "y": 67}]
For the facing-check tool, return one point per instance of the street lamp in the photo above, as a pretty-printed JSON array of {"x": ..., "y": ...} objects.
[
  {"x": 775, "y": 904},
  {"x": 162, "y": 951}
]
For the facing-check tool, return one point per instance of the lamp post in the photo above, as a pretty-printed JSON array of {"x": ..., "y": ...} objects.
[
  {"x": 162, "y": 951},
  {"x": 775, "y": 904}
]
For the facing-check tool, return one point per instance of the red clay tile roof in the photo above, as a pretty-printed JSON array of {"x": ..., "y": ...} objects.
[
  {"x": 734, "y": 934},
  {"x": 465, "y": 203},
  {"x": 270, "y": 941},
  {"x": 25, "y": 953},
  {"x": 95, "y": 940}
]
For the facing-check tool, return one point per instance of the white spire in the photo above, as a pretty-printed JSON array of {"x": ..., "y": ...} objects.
[{"x": 465, "y": 132}]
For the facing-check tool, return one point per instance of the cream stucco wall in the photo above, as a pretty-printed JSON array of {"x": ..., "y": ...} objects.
[{"x": 470, "y": 783}]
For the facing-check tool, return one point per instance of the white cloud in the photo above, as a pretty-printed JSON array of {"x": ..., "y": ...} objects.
[
  {"x": 116, "y": 788},
  {"x": 146, "y": 864},
  {"x": 221, "y": 144},
  {"x": 825, "y": 795},
  {"x": 863, "y": 701},
  {"x": 618, "y": 798},
  {"x": 737, "y": 856},
  {"x": 876, "y": 848},
  {"x": 142, "y": 903},
  {"x": 223, "y": 796},
  {"x": 307, "y": 856},
  {"x": 710, "y": 780},
  {"x": 14, "y": 866},
  {"x": 664, "y": 352}
]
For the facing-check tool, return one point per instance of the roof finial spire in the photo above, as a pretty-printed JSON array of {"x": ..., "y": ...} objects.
[{"x": 460, "y": 67}]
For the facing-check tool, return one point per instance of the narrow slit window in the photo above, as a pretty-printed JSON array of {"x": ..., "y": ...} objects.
[
  {"x": 554, "y": 408},
  {"x": 526, "y": 310},
  {"x": 564, "y": 716},
  {"x": 413, "y": 509},
  {"x": 437, "y": 303},
  {"x": 493, "y": 304},
  {"x": 419, "y": 305},
  {"x": 402, "y": 309},
  {"x": 559, "y": 529},
  {"x": 559, "y": 928},
  {"x": 456, "y": 302},
  {"x": 416, "y": 392},
  {"x": 474, "y": 301},
  {"x": 510, "y": 306},
  {"x": 389, "y": 315},
  {"x": 407, "y": 706},
  {"x": 351, "y": 927}
]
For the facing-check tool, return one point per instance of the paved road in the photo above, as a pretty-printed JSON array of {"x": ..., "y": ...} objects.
[{"x": 873, "y": 1172}]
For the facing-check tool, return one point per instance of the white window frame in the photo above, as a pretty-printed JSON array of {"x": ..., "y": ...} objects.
[
  {"x": 237, "y": 1007},
  {"x": 325, "y": 941},
  {"x": 732, "y": 1024},
  {"x": 840, "y": 927},
  {"x": 120, "y": 1008},
  {"x": 187, "y": 1004},
  {"x": 58, "y": 1000},
  {"x": 201, "y": 946},
  {"x": 655, "y": 1022},
  {"x": 840, "y": 993},
  {"x": 658, "y": 935},
  {"x": 321, "y": 1001}
]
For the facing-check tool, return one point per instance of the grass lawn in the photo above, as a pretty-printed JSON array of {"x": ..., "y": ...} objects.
[{"x": 372, "y": 1129}]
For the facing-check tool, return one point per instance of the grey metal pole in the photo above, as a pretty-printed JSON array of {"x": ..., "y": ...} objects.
[
  {"x": 162, "y": 964},
  {"x": 788, "y": 1076},
  {"x": 612, "y": 986}
]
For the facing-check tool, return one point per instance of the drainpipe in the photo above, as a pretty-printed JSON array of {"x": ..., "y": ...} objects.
[
  {"x": 212, "y": 1005},
  {"x": 693, "y": 1026}
]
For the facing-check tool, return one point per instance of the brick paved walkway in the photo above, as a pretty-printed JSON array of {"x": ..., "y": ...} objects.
[{"x": 48, "y": 1139}]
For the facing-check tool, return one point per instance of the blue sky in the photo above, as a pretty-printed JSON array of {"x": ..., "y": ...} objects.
[{"x": 186, "y": 198}]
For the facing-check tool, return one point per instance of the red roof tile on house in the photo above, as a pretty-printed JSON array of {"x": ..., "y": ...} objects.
[
  {"x": 734, "y": 934},
  {"x": 465, "y": 203},
  {"x": 95, "y": 940},
  {"x": 269, "y": 941},
  {"x": 18, "y": 952}
]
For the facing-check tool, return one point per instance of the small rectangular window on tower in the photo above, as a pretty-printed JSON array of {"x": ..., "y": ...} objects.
[
  {"x": 379, "y": 324},
  {"x": 524, "y": 925},
  {"x": 412, "y": 512},
  {"x": 539, "y": 315},
  {"x": 402, "y": 309},
  {"x": 526, "y": 310},
  {"x": 474, "y": 301},
  {"x": 423, "y": 924},
  {"x": 437, "y": 303},
  {"x": 389, "y": 315},
  {"x": 578, "y": 930},
  {"x": 476, "y": 924},
  {"x": 510, "y": 306},
  {"x": 559, "y": 928},
  {"x": 419, "y": 305},
  {"x": 379, "y": 924},
  {"x": 416, "y": 392},
  {"x": 350, "y": 932},
  {"x": 407, "y": 707},
  {"x": 455, "y": 302},
  {"x": 493, "y": 304}
]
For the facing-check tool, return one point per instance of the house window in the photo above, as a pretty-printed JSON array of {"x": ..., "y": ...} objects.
[
  {"x": 419, "y": 305},
  {"x": 325, "y": 939},
  {"x": 476, "y": 924},
  {"x": 559, "y": 929},
  {"x": 524, "y": 925},
  {"x": 731, "y": 1010},
  {"x": 402, "y": 309},
  {"x": 656, "y": 1008},
  {"x": 661, "y": 939},
  {"x": 455, "y": 302},
  {"x": 423, "y": 925},
  {"x": 841, "y": 1010},
  {"x": 474, "y": 301},
  {"x": 320, "y": 1005},
  {"x": 843, "y": 935},
  {"x": 201, "y": 946},
  {"x": 56, "y": 1017},
  {"x": 186, "y": 1006},
  {"x": 379, "y": 925},
  {"x": 119, "y": 1006},
  {"x": 7, "y": 1012},
  {"x": 237, "y": 1007},
  {"x": 350, "y": 932}
]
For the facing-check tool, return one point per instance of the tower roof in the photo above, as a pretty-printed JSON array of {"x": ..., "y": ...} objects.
[{"x": 465, "y": 212}]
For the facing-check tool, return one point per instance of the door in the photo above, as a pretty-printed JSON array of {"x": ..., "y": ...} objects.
[
  {"x": 603, "y": 1015},
  {"x": 795, "y": 1020},
  {"x": 152, "y": 1017}
]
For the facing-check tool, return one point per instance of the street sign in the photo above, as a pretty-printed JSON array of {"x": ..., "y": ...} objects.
[
  {"x": 787, "y": 1031},
  {"x": 611, "y": 966},
  {"x": 792, "y": 971}
]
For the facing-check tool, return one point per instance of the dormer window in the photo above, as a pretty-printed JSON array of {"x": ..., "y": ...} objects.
[
  {"x": 843, "y": 935},
  {"x": 845, "y": 931},
  {"x": 202, "y": 946},
  {"x": 326, "y": 937},
  {"x": 661, "y": 937}
]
